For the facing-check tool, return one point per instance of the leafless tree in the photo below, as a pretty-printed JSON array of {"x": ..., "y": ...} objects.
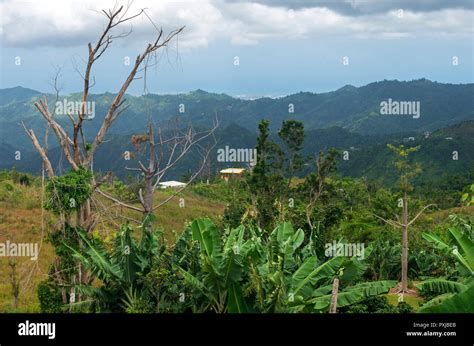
[
  {"x": 74, "y": 147},
  {"x": 164, "y": 153}
]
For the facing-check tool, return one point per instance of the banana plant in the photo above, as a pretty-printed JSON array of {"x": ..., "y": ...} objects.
[
  {"x": 350, "y": 295},
  {"x": 285, "y": 280},
  {"x": 459, "y": 302},
  {"x": 118, "y": 270},
  {"x": 219, "y": 278},
  {"x": 461, "y": 248},
  {"x": 452, "y": 296}
]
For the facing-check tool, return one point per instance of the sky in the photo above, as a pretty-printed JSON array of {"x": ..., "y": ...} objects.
[{"x": 241, "y": 48}]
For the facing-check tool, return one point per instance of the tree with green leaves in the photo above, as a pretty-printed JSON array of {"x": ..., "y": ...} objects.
[
  {"x": 270, "y": 179},
  {"x": 407, "y": 172},
  {"x": 265, "y": 180},
  {"x": 315, "y": 183},
  {"x": 292, "y": 134}
]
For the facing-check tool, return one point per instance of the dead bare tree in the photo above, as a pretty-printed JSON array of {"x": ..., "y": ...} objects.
[
  {"x": 75, "y": 149},
  {"x": 164, "y": 153},
  {"x": 79, "y": 153}
]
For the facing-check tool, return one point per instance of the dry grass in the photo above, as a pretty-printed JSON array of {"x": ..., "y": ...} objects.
[
  {"x": 441, "y": 215},
  {"x": 20, "y": 222}
]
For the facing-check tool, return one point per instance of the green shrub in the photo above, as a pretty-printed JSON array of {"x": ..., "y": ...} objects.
[
  {"x": 25, "y": 180},
  {"x": 66, "y": 193},
  {"x": 49, "y": 297},
  {"x": 233, "y": 214},
  {"x": 404, "y": 308},
  {"x": 8, "y": 186},
  {"x": 378, "y": 304}
]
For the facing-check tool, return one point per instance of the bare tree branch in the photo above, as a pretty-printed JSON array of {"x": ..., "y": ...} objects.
[
  {"x": 389, "y": 222},
  {"x": 419, "y": 214},
  {"x": 110, "y": 117},
  {"x": 41, "y": 151},
  {"x": 118, "y": 201}
]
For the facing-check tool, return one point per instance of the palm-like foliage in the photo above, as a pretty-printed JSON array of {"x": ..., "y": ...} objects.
[
  {"x": 300, "y": 282},
  {"x": 118, "y": 269},
  {"x": 235, "y": 271},
  {"x": 241, "y": 272},
  {"x": 453, "y": 296},
  {"x": 461, "y": 248},
  {"x": 351, "y": 295},
  {"x": 221, "y": 267}
]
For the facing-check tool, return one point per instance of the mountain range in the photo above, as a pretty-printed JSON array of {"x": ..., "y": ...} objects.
[{"x": 348, "y": 119}]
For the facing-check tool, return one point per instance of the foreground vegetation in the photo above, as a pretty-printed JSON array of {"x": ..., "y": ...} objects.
[{"x": 253, "y": 245}]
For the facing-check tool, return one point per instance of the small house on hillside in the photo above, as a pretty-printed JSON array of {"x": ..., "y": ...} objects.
[
  {"x": 232, "y": 172},
  {"x": 172, "y": 184}
]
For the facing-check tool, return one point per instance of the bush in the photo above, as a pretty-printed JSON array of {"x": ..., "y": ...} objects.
[
  {"x": 404, "y": 308},
  {"x": 8, "y": 187},
  {"x": 25, "y": 180},
  {"x": 49, "y": 297},
  {"x": 66, "y": 193},
  {"x": 378, "y": 304},
  {"x": 233, "y": 214}
]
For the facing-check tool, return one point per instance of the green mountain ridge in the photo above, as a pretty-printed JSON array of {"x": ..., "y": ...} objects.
[
  {"x": 353, "y": 108},
  {"x": 347, "y": 119}
]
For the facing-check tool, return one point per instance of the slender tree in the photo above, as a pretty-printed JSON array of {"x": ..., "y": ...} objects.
[
  {"x": 164, "y": 153},
  {"x": 315, "y": 183},
  {"x": 76, "y": 150},
  {"x": 266, "y": 180},
  {"x": 292, "y": 134},
  {"x": 407, "y": 172}
]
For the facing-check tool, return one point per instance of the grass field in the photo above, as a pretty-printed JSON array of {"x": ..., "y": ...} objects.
[
  {"x": 21, "y": 222},
  {"x": 414, "y": 302}
]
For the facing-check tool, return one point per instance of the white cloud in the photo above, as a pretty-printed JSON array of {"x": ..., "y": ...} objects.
[{"x": 75, "y": 22}]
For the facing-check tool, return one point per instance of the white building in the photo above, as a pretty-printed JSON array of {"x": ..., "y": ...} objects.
[{"x": 171, "y": 183}]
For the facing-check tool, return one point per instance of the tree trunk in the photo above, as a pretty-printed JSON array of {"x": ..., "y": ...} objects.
[
  {"x": 148, "y": 198},
  {"x": 84, "y": 220},
  {"x": 335, "y": 289},
  {"x": 405, "y": 245}
]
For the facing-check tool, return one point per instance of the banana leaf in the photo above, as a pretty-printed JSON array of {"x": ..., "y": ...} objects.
[
  {"x": 354, "y": 294},
  {"x": 440, "y": 286},
  {"x": 455, "y": 303},
  {"x": 235, "y": 300}
]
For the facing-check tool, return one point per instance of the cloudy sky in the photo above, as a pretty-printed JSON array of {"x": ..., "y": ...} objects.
[{"x": 281, "y": 47}]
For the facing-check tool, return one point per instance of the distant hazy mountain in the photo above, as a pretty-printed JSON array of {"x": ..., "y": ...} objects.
[
  {"x": 356, "y": 109},
  {"x": 16, "y": 94},
  {"x": 348, "y": 118}
]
